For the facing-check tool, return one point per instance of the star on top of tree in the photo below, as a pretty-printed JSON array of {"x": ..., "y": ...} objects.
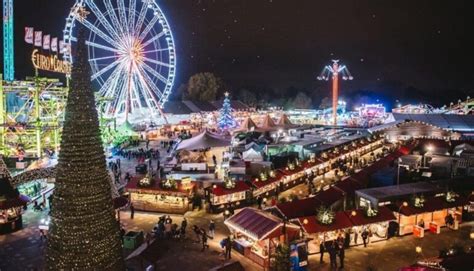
[{"x": 80, "y": 13}]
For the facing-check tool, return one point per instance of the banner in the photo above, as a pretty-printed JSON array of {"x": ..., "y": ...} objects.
[
  {"x": 54, "y": 44},
  {"x": 29, "y": 34},
  {"x": 61, "y": 46},
  {"x": 38, "y": 38},
  {"x": 46, "y": 42}
]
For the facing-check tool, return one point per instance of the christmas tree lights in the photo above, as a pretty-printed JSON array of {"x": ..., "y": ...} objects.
[
  {"x": 226, "y": 120},
  {"x": 84, "y": 234}
]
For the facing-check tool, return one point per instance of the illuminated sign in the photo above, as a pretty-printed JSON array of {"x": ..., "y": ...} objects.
[{"x": 50, "y": 63}]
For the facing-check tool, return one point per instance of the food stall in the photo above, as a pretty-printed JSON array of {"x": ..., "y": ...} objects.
[
  {"x": 257, "y": 233},
  {"x": 222, "y": 194},
  {"x": 375, "y": 221},
  {"x": 323, "y": 227},
  {"x": 168, "y": 195},
  {"x": 432, "y": 210},
  {"x": 11, "y": 203},
  {"x": 266, "y": 184},
  {"x": 293, "y": 173}
]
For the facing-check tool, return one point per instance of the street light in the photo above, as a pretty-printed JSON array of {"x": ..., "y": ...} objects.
[{"x": 418, "y": 249}]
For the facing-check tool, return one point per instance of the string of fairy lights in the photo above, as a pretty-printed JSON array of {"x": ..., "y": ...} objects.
[{"x": 84, "y": 234}]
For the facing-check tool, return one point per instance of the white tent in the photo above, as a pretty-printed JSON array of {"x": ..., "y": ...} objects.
[
  {"x": 203, "y": 141},
  {"x": 252, "y": 155}
]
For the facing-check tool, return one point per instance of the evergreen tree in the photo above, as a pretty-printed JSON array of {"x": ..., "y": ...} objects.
[
  {"x": 226, "y": 120},
  {"x": 84, "y": 234},
  {"x": 281, "y": 258}
]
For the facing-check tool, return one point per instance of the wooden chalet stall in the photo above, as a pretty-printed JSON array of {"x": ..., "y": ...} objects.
[
  {"x": 267, "y": 184},
  {"x": 11, "y": 203},
  {"x": 293, "y": 175},
  {"x": 319, "y": 232},
  {"x": 257, "y": 233},
  {"x": 433, "y": 212},
  {"x": 377, "y": 224},
  {"x": 222, "y": 196},
  {"x": 168, "y": 196}
]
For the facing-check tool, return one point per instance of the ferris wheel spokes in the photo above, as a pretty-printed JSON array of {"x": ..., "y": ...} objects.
[
  {"x": 131, "y": 16},
  {"x": 154, "y": 73},
  {"x": 99, "y": 46},
  {"x": 104, "y": 70},
  {"x": 156, "y": 62},
  {"x": 122, "y": 14},
  {"x": 147, "y": 29},
  {"x": 102, "y": 19},
  {"x": 158, "y": 36}
]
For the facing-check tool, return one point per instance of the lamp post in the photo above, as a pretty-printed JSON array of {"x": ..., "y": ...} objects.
[{"x": 404, "y": 204}]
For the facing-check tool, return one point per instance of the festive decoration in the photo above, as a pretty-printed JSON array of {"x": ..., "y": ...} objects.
[
  {"x": 145, "y": 182},
  {"x": 418, "y": 201},
  {"x": 371, "y": 212},
  {"x": 84, "y": 234},
  {"x": 451, "y": 196},
  {"x": 229, "y": 183},
  {"x": 325, "y": 216},
  {"x": 226, "y": 120},
  {"x": 169, "y": 183}
]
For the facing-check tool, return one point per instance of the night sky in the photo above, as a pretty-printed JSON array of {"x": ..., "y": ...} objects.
[{"x": 390, "y": 47}]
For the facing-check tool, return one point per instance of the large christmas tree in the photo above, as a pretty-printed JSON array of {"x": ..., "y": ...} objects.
[
  {"x": 84, "y": 234},
  {"x": 226, "y": 120}
]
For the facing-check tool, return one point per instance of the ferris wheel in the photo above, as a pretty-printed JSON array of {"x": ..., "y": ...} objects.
[{"x": 131, "y": 53}]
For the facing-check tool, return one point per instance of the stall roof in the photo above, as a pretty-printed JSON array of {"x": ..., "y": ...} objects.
[
  {"x": 299, "y": 208},
  {"x": 386, "y": 192},
  {"x": 133, "y": 186},
  {"x": 348, "y": 185},
  {"x": 256, "y": 224},
  {"x": 360, "y": 219},
  {"x": 270, "y": 180},
  {"x": 432, "y": 204},
  {"x": 330, "y": 196},
  {"x": 203, "y": 141},
  {"x": 341, "y": 221},
  {"x": 220, "y": 190}
]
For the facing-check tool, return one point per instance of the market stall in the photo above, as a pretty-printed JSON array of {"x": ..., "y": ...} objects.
[
  {"x": 11, "y": 203},
  {"x": 257, "y": 233},
  {"x": 429, "y": 210},
  {"x": 375, "y": 222},
  {"x": 323, "y": 227},
  {"x": 267, "y": 183},
  {"x": 168, "y": 196},
  {"x": 227, "y": 193}
]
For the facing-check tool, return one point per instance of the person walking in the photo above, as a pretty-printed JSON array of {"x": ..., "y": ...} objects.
[
  {"x": 228, "y": 248},
  {"x": 322, "y": 249},
  {"x": 132, "y": 211},
  {"x": 212, "y": 229},
  {"x": 341, "y": 256},
  {"x": 184, "y": 224},
  {"x": 197, "y": 232},
  {"x": 214, "y": 159},
  {"x": 204, "y": 240},
  {"x": 333, "y": 254},
  {"x": 365, "y": 236}
]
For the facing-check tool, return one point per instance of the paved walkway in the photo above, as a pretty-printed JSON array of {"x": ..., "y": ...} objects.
[{"x": 398, "y": 252}]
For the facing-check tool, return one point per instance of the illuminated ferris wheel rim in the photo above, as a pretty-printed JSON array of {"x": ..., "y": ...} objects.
[{"x": 122, "y": 37}]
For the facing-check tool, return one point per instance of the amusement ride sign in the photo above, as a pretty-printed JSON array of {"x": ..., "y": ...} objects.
[
  {"x": 50, "y": 63},
  {"x": 40, "y": 59}
]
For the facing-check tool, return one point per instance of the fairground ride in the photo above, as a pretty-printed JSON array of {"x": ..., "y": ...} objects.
[
  {"x": 131, "y": 53},
  {"x": 333, "y": 71},
  {"x": 31, "y": 116}
]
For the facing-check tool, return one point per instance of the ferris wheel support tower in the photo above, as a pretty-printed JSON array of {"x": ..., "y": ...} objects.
[
  {"x": 8, "y": 51},
  {"x": 333, "y": 71}
]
